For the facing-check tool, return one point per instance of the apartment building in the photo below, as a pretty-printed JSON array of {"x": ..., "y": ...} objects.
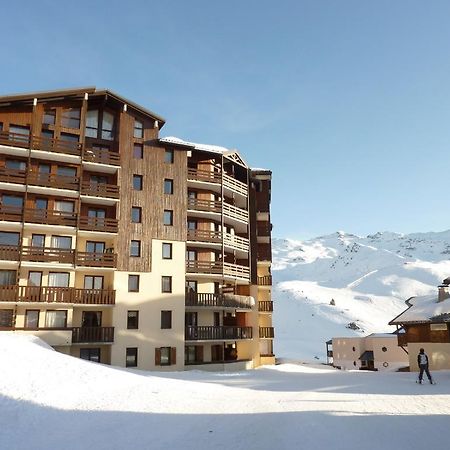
[{"x": 121, "y": 247}]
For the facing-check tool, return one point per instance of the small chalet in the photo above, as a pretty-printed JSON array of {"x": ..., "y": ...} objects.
[{"x": 425, "y": 324}]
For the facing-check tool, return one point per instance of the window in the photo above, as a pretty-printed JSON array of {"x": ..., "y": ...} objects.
[
  {"x": 12, "y": 200},
  {"x": 192, "y": 225},
  {"x": 9, "y": 238},
  {"x": 438, "y": 327},
  {"x": 62, "y": 242},
  {"x": 41, "y": 203},
  {"x": 32, "y": 318},
  {"x": 191, "y": 319},
  {"x": 38, "y": 240},
  {"x": 95, "y": 247},
  {"x": 6, "y": 318},
  {"x": 91, "y": 319},
  {"x": 138, "y": 151},
  {"x": 166, "y": 356},
  {"x": 93, "y": 282},
  {"x": 69, "y": 137},
  {"x": 217, "y": 319},
  {"x": 384, "y": 349},
  {"x": 70, "y": 117},
  {"x": 98, "y": 179},
  {"x": 168, "y": 186},
  {"x": 133, "y": 320},
  {"x": 49, "y": 117},
  {"x": 44, "y": 168},
  {"x": 137, "y": 182},
  {"x": 65, "y": 171},
  {"x": 193, "y": 354},
  {"x": 15, "y": 164},
  {"x": 136, "y": 214},
  {"x": 168, "y": 156},
  {"x": 135, "y": 248},
  {"x": 58, "y": 279},
  {"x": 191, "y": 286},
  {"x": 64, "y": 206},
  {"x": 131, "y": 359},
  {"x": 166, "y": 250},
  {"x": 92, "y": 123},
  {"x": 138, "y": 129},
  {"x": 191, "y": 255},
  {"x": 48, "y": 135},
  {"x": 19, "y": 129},
  {"x": 133, "y": 283},
  {"x": 166, "y": 284},
  {"x": 56, "y": 319},
  {"x": 166, "y": 320},
  {"x": 34, "y": 278},
  {"x": 108, "y": 126},
  {"x": 168, "y": 217},
  {"x": 90, "y": 354},
  {"x": 98, "y": 213}
]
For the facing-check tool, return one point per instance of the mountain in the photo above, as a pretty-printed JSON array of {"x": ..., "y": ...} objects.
[{"x": 345, "y": 285}]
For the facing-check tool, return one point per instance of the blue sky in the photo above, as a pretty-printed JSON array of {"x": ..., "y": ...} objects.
[{"x": 348, "y": 102}]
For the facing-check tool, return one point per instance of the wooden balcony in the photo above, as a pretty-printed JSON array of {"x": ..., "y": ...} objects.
[
  {"x": 196, "y": 204},
  {"x": 218, "y": 268},
  {"x": 50, "y": 217},
  {"x": 12, "y": 175},
  {"x": 101, "y": 156},
  {"x": 54, "y": 181},
  {"x": 11, "y": 213},
  {"x": 265, "y": 306},
  {"x": 205, "y": 176},
  {"x": 49, "y": 294},
  {"x": 266, "y": 280},
  {"x": 214, "y": 237},
  {"x": 99, "y": 189},
  {"x": 47, "y": 254},
  {"x": 209, "y": 300},
  {"x": 266, "y": 332},
  {"x": 233, "y": 212},
  {"x": 236, "y": 186},
  {"x": 219, "y": 333},
  {"x": 87, "y": 335},
  {"x": 235, "y": 241},
  {"x": 14, "y": 139},
  {"x": 56, "y": 145},
  {"x": 98, "y": 224},
  {"x": 96, "y": 259},
  {"x": 9, "y": 252}
]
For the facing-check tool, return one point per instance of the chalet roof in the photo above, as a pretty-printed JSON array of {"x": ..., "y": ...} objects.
[
  {"x": 77, "y": 93},
  {"x": 230, "y": 154},
  {"x": 424, "y": 309}
]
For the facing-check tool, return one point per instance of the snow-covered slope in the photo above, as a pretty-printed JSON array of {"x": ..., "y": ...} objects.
[
  {"x": 325, "y": 285},
  {"x": 51, "y": 401}
]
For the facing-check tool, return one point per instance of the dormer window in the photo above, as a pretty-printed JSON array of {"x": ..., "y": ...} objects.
[{"x": 93, "y": 118}]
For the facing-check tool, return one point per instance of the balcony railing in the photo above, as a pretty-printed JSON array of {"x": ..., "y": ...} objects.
[
  {"x": 234, "y": 212},
  {"x": 50, "y": 294},
  {"x": 197, "y": 204},
  {"x": 11, "y": 213},
  {"x": 235, "y": 185},
  {"x": 266, "y": 332},
  {"x": 205, "y": 176},
  {"x": 47, "y": 254},
  {"x": 12, "y": 175},
  {"x": 215, "y": 237},
  {"x": 14, "y": 139},
  {"x": 98, "y": 224},
  {"x": 266, "y": 280},
  {"x": 56, "y": 145},
  {"x": 10, "y": 252},
  {"x": 81, "y": 335},
  {"x": 100, "y": 189},
  {"x": 101, "y": 156},
  {"x": 265, "y": 306},
  {"x": 210, "y": 300},
  {"x": 96, "y": 259},
  {"x": 212, "y": 333},
  {"x": 217, "y": 268},
  {"x": 53, "y": 180},
  {"x": 50, "y": 217}
]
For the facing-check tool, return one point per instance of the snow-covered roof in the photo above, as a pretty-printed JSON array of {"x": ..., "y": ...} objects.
[
  {"x": 426, "y": 308},
  {"x": 204, "y": 147}
]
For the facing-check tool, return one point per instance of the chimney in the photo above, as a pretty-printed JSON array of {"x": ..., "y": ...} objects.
[{"x": 443, "y": 290}]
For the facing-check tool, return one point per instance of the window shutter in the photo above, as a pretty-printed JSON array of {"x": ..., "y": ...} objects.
[
  {"x": 199, "y": 353},
  {"x": 157, "y": 357},
  {"x": 173, "y": 355}
]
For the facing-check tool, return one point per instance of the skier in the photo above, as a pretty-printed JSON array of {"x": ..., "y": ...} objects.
[{"x": 422, "y": 361}]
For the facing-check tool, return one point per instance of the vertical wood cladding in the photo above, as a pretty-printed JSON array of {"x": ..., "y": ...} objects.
[{"x": 151, "y": 198}]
